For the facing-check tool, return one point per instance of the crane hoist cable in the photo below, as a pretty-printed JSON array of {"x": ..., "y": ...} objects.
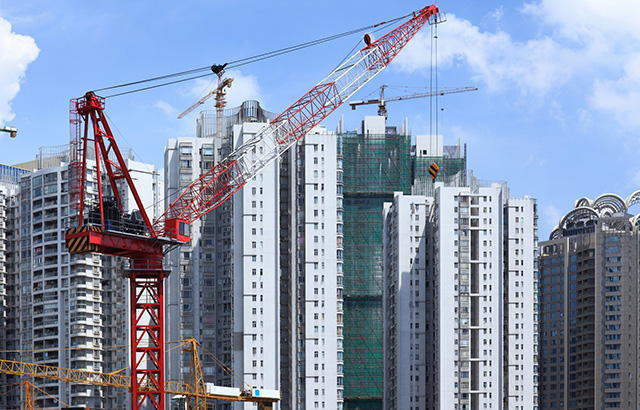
[
  {"x": 225, "y": 368},
  {"x": 210, "y": 70}
]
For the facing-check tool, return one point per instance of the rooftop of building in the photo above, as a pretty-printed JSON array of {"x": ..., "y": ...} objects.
[{"x": 587, "y": 212}]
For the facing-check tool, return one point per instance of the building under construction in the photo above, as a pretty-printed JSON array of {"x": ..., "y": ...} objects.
[{"x": 378, "y": 162}]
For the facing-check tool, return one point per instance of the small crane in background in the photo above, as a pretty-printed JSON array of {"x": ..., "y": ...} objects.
[
  {"x": 382, "y": 109},
  {"x": 219, "y": 92}
]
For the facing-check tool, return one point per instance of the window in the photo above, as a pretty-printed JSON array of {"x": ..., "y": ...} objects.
[{"x": 50, "y": 189}]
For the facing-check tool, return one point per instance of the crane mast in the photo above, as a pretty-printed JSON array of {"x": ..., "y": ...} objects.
[
  {"x": 218, "y": 92},
  {"x": 103, "y": 226}
]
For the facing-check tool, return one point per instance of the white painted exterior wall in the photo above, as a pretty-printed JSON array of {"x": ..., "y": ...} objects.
[
  {"x": 522, "y": 252},
  {"x": 464, "y": 309},
  {"x": 75, "y": 303},
  {"x": 323, "y": 282},
  {"x": 453, "y": 221},
  {"x": 256, "y": 271},
  {"x": 404, "y": 301}
]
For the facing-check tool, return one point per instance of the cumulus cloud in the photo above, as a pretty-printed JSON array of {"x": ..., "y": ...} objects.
[
  {"x": 245, "y": 87},
  {"x": 610, "y": 33},
  {"x": 581, "y": 43},
  {"x": 16, "y": 53},
  {"x": 589, "y": 19},
  {"x": 495, "y": 59},
  {"x": 167, "y": 108},
  {"x": 620, "y": 97}
]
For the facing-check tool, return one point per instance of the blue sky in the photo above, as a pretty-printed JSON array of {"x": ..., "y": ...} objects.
[{"x": 556, "y": 115}]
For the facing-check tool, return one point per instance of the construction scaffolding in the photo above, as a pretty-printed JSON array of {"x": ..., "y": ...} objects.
[
  {"x": 452, "y": 171},
  {"x": 375, "y": 166},
  {"x": 248, "y": 111}
]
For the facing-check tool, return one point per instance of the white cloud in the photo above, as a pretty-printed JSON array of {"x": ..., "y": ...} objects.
[
  {"x": 495, "y": 15},
  {"x": 167, "y": 108},
  {"x": 621, "y": 97},
  {"x": 589, "y": 45},
  {"x": 534, "y": 66},
  {"x": 610, "y": 33},
  {"x": 583, "y": 20},
  {"x": 16, "y": 52},
  {"x": 244, "y": 87}
]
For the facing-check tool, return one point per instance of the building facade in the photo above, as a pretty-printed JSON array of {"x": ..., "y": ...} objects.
[
  {"x": 460, "y": 300},
  {"x": 68, "y": 311},
  {"x": 379, "y": 161},
  {"x": 259, "y": 285},
  {"x": 9, "y": 266},
  {"x": 406, "y": 236},
  {"x": 589, "y": 307},
  {"x": 311, "y": 267}
]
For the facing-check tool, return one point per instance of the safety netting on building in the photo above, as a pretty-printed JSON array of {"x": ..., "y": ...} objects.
[{"x": 375, "y": 166}]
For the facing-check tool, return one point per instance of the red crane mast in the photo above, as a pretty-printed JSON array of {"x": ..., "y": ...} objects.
[{"x": 103, "y": 226}]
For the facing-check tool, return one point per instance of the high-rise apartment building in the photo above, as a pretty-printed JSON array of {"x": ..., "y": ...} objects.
[
  {"x": 406, "y": 236},
  {"x": 259, "y": 285},
  {"x": 69, "y": 311},
  {"x": 460, "y": 300},
  {"x": 201, "y": 290},
  {"x": 311, "y": 278},
  {"x": 9, "y": 287},
  {"x": 589, "y": 352},
  {"x": 378, "y": 162}
]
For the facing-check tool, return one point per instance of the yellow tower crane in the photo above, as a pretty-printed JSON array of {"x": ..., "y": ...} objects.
[
  {"x": 196, "y": 390},
  {"x": 219, "y": 92},
  {"x": 29, "y": 398}
]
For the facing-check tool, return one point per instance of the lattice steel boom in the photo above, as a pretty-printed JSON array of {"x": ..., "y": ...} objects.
[{"x": 246, "y": 161}]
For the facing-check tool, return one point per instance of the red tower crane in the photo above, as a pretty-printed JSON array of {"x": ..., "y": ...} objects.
[{"x": 103, "y": 226}]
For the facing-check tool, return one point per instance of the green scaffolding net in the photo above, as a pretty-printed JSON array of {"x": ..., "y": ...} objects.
[
  {"x": 452, "y": 171},
  {"x": 375, "y": 166}
]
